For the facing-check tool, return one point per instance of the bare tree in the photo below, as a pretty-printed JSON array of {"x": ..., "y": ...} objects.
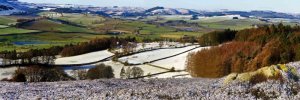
[{"x": 122, "y": 73}]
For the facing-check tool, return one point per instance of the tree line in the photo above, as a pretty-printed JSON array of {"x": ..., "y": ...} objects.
[
  {"x": 38, "y": 73},
  {"x": 47, "y": 56},
  {"x": 32, "y": 56}
]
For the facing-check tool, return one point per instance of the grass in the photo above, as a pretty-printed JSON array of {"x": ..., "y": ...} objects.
[
  {"x": 47, "y": 40},
  {"x": 146, "y": 28},
  {"x": 4, "y": 20},
  {"x": 211, "y": 23},
  {"x": 12, "y": 30},
  {"x": 177, "y": 35},
  {"x": 231, "y": 24},
  {"x": 82, "y": 19},
  {"x": 47, "y": 25}
]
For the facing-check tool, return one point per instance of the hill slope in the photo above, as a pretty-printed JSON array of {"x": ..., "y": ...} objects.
[
  {"x": 48, "y": 25},
  {"x": 149, "y": 89}
]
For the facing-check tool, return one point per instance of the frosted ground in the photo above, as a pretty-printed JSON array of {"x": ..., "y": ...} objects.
[
  {"x": 153, "y": 89},
  {"x": 164, "y": 65},
  {"x": 84, "y": 58},
  {"x": 154, "y": 55},
  {"x": 7, "y": 72},
  {"x": 178, "y": 62},
  {"x": 166, "y": 87}
]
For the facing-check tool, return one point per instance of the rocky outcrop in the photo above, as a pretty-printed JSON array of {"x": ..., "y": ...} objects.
[{"x": 289, "y": 72}]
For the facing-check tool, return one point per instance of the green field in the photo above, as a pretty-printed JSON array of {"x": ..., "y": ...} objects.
[
  {"x": 13, "y": 30},
  {"x": 81, "y": 19},
  {"x": 4, "y": 20},
  {"x": 48, "y": 25},
  {"x": 208, "y": 24}
]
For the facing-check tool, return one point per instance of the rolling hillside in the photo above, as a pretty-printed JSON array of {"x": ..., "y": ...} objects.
[{"x": 51, "y": 26}]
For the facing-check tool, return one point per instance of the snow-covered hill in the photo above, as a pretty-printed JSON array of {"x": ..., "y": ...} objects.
[{"x": 10, "y": 7}]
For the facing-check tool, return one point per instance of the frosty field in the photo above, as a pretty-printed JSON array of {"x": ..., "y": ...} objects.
[
  {"x": 153, "y": 89},
  {"x": 159, "y": 66},
  {"x": 84, "y": 58},
  {"x": 154, "y": 55},
  {"x": 178, "y": 62}
]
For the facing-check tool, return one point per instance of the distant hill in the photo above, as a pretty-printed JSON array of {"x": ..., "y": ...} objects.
[
  {"x": 14, "y": 7},
  {"x": 263, "y": 14},
  {"x": 168, "y": 11},
  {"x": 8, "y": 7}
]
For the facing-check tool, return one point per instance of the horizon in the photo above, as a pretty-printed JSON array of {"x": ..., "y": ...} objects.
[{"x": 211, "y": 5}]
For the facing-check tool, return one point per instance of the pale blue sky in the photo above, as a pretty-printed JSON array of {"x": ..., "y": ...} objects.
[{"x": 291, "y": 6}]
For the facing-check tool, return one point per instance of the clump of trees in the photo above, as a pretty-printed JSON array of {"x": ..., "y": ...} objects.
[
  {"x": 217, "y": 37},
  {"x": 134, "y": 72},
  {"x": 245, "y": 50},
  {"x": 94, "y": 45},
  {"x": 32, "y": 56},
  {"x": 40, "y": 74},
  {"x": 100, "y": 71},
  {"x": 187, "y": 39}
]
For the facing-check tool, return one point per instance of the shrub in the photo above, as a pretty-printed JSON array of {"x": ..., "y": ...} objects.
[
  {"x": 100, "y": 71},
  {"x": 258, "y": 78},
  {"x": 134, "y": 72},
  {"x": 137, "y": 72}
]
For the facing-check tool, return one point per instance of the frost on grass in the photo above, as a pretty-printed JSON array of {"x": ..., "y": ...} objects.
[
  {"x": 178, "y": 62},
  {"x": 197, "y": 88},
  {"x": 84, "y": 58},
  {"x": 153, "y": 55}
]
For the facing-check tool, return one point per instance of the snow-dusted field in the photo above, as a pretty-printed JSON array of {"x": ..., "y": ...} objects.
[
  {"x": 7, "y": 72},
  {"x": 155, "y": 45},
  {"x": 84, "y": 58},
  {"x": 1, "y": 60},
  {"x": 154, "y": 55},
  {"x": 116, "y": 66},
  {"x": 145, "y": 89},
  {"x": 178, "y": 62},
  {"x": 220, "y": 18}
]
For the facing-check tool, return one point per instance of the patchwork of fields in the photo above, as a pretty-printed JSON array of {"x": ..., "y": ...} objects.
[{"x": 74, "y": 28}]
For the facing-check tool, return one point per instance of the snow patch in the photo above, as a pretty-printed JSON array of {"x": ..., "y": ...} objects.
[{"x": 84, "y": 58}]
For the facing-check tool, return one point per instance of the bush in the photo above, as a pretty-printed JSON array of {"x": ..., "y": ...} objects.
[
  {"x": 134, "y": 72},
  {"x": 100, "y": 71},
  {"x": 258, "y": 78}
]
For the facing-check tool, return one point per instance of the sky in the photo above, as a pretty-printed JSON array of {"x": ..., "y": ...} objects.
[{"x": 289, "y": 6}]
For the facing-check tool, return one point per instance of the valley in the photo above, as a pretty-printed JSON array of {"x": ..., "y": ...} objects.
[{"x": 78, "y": 51}]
